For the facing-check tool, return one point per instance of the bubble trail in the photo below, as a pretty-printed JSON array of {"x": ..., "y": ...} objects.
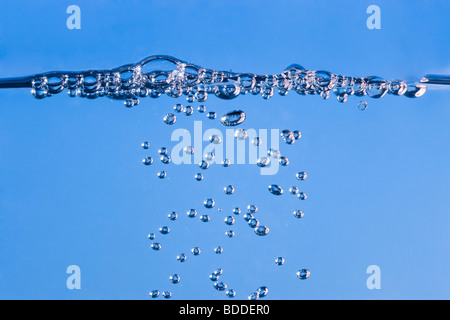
[{"x": 157, "y": 75}]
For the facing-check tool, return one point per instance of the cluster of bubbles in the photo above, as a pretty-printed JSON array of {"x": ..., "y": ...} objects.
[
  {"x": 164, "y": 75},
  {"x": 230, "y": 119}
]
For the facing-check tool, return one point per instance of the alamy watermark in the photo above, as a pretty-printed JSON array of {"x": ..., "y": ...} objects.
[{"x": 236, "y": 150}]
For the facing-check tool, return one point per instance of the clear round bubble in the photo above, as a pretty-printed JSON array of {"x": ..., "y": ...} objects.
[
  {"x": 263, "y": 162},
  {"x": 302, "y": 196},
  {"x": 256, "y": 141},
  {"x": 147, "y": 161},
  {"x": 298, "y": 214},
  {"x": 253, "y": 223},
  {"x": 275, "y": 189},
  {"x": 196, "y": 251},
  {"x": 205, "y": 218},
  {"x": 209, "y": 156},
  {"x": 154, "y": 294},
  {"x": 198, "y": 176},
  {"x": 248, "y": 216},
  {"x": 170, "y": 119},
  {"x": 189, "y": 111},
  {"x": 209, "y": 203},
  {"x": 151, "y": 236},
  {"x": 226, "y": 163},
  {"x": 229, "y": 233},
  {"x": 165, "y": 158},
  {"x": 192, "y": 213},
  {"x": 178, "y": 108},
  {"x": 276, "y": 154},
  {"x": 215, "y": 139},
  {"x": 233, "y": 118},
  {"x": 167, "y": 294},
  {"x": 156, "y": 246},
  {"x": 220, "y": 286},
  {"x": 284, "y": 161},
  {"x": 145, "y": 145},
  {"x": 252, "y": 208},
  {"x": 211, "y": 115},
  {"x": 229, "y": 189},
  {"x": 188, "y": 150},
  {"x": 162, "y": 151},
  {"x": 218, "y": 250},
  {"x": 229, "y": 220},
  {"x": 293, "y": 190},
  {"x": 164, "y": 230},
  {"x": 362, "y": 105},
  {"x": 175, "y": 278},
  {"x": 201, "y": 108},
  {"x": 262, "y": 230},
  {"x": 162, "y": 174},
  {"x": 253, "y": 296},
  {"x": 240, "y": 134},
  {"x": 181, "y": 257},
  {"x": 279, "y": 261},
  {"x": 297, "y": 134},
  {"x": 303, "y": 274},
  {"x": 214, "y": 277},
  {"x": 301, "y": 175},
  {"x": 204, "y": 165},
  {"x": 173, "y": 216},
  {"x": 230, "y": 293},
  {"x": 237, "y": 211},
  {"x": 262, "y": 291}
]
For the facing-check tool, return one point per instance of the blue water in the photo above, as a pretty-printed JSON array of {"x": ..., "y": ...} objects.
[{"x": 73, "y": 190}]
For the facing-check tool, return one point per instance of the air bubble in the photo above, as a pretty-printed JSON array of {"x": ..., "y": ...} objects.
[
  {"x": 240, "y": 134},
  {"x": 220, "y": 286},
  {"x": 228, "y": 189},
  {"x": 279, "y": 261},
  {"x": 262, "y": 230},
  {"x": 188, "y": 111},
  {"x": 302, "y": 196},
  {"x": 170, "y": 119},
  {"x": 303, "y": 274},
  {"x": 198, "y": 176},
  {"x": 204, "y": 165},
  {"x": 178, "y": 108},
  {"x": 218, "y": 250},
  {"x": 196, "y": 251},
  {"x": 173, "y": 216},
  {"x": 205, "y": 218},
  {"x": 156, "y": 246},
  {"x": 161, "y": 174},
  {"x": 181, "y": 257},
  {"x": 164, "y": 230},
  {"x": 252, "y": 208},
  {"x": 233, "y": 118},
  {"x": 211, "y": 115},
  {"x": 301, "y": 175},
  {"x": 229, "y": 220},
  {"x": 298, "y": 214},
  {"x": 275, "y": 189},
  {"x": 293, "y": 190},
  {"x": 175, "y": 278},
  {"x": 154, "y": 294},
  {"x": 165, "y": 158},
  {"x": 362, "y": 105},
  {"x": 262, "y": 291},
  {"x": 215, "y": 139},
  {"x": 209, "y": 203},
  {"x": 145, "y": 145},
  {"x": 192, "y": 213},
  {"x": 229, "y": 233},
  {"x": 167, "y": 294},
  {"x": 147, "y": 161}
]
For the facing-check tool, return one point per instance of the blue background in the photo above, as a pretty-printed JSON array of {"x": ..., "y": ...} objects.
[{"x": 73, "y": 189}]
